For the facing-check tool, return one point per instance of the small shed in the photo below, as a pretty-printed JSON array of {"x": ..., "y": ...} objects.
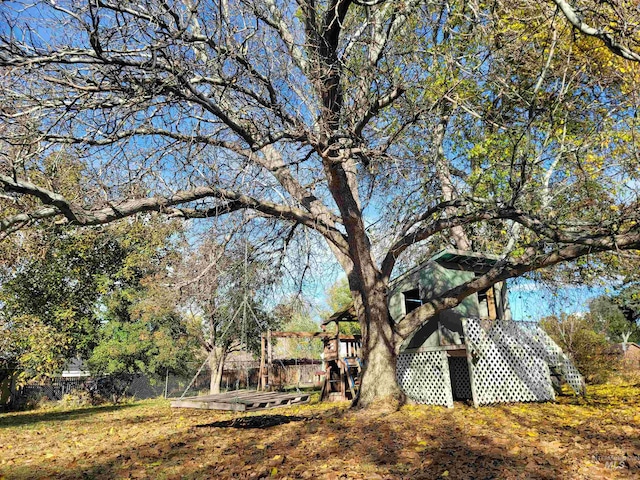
[
  {"x": 474, "y": 351},
  {"x": 442, "y": 272}
]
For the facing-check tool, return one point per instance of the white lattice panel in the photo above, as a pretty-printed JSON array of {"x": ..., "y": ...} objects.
[
  {"x": 556, "y": 357},
  {"x": 572, "y": 376},
  {"x": 508, "y": 365},
  {"x": 460, "y": 381},
  {"x": 424, "y": 377}
]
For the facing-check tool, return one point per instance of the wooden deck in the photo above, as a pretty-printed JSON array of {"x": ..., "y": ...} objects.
[{"x": 241, "y": 400}]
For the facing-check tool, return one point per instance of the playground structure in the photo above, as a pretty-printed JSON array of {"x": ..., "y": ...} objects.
[{"x": 341, "y": 363}]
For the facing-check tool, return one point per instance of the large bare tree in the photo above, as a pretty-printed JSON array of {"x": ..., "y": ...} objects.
[
  {"x": 380, "y": 127},
  {"x": 223, "y": 287}
]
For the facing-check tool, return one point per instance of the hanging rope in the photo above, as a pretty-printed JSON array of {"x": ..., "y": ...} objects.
[
  {"x": 196, "y": 375},
  {"x": 245, "y": 285}
]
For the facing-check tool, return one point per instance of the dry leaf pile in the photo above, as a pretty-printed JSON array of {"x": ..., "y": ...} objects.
[{"x": 571, "y": 439}]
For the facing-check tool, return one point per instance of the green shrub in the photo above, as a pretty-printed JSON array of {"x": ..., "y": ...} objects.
[{"x": 590, "y": 350}]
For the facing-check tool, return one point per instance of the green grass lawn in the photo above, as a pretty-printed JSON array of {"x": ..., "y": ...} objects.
[{"x": 572, "y": 438}]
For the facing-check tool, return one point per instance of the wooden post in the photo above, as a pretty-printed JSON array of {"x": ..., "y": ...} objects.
[
  {"x": 474, "y": 394},
  {"x": 269, "y": 359},
  {"x": 491, "y": 304},
  {"x": 263, "y": 379},
  {"x": 343, "y": 379}
]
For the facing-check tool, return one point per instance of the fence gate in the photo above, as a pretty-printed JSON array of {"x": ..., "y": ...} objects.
[{"x": 424, "y": 377}]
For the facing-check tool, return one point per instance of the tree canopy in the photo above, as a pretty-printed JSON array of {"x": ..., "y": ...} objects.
[
  {"x": 49, "y": 305},
  {"x": 91, "y": 294}
]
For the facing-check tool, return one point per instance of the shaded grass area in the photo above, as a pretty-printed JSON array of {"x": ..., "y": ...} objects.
[
  {"x": 572, "y": 438},
  {"x": 57, "y": 415}
]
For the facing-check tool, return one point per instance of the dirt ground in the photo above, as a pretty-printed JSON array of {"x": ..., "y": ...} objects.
[{"x": 597, "y": 438}]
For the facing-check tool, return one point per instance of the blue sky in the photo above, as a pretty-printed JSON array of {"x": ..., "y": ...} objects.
[{"x": 532, "y": 301}]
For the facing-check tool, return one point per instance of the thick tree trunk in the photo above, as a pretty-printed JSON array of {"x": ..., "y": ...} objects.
[
  {"x": 625, "y": 341},
  {"x": 378, "y": 385},
  {"x": 216, "y": 365}
]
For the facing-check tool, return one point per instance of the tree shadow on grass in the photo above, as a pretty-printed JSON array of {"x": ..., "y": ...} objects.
[
  {"x": 17, "y": 419},
  {"x": 442, "y": 447},
  {"x": 601, "y": 434},
  {"x": 259, "y": 421}
]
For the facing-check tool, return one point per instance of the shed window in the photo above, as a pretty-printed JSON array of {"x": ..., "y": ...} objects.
[{"x": 412, "y": 300}]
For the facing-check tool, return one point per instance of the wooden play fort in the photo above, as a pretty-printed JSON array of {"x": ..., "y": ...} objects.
[{"x": 341, "y": 362}]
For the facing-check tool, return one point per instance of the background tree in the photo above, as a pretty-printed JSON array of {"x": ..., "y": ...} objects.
[
  {"x": 338, "y": 298},
  {"x": 223, "y": 287},
  {"x": 380, "y": 128},
  {"x": 58, "y": 298},
  {"x": 339, "y": 295},
  {"x": 295, "y": 315},
  {"x": 628, "y": 299},
  {"x": 50, "y": 302},
  {"x": 143, "y": 333},
  {"x": 610, "y": 320}
]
